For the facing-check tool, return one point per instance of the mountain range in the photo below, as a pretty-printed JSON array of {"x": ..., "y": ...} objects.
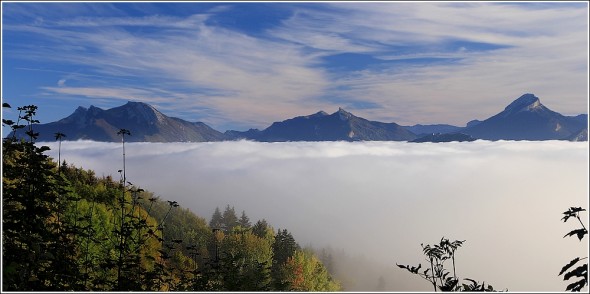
[
  {"x": 145, "y": 123},
  {"x": 523, "y": 119},
  {"x": 321, "y": 126}
]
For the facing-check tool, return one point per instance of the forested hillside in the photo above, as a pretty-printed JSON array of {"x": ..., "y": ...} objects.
[{"x": 65, "y": 229}]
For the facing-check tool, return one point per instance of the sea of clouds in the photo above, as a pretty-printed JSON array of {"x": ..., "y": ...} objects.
[{"x": 378, "y": 201}]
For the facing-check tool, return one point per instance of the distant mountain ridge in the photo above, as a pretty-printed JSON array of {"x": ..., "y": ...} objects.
[
  {"x": 523, "y": 119},
  {"x": 448, "y": 137},
  {"x": 145, "y": 123},
  {"x": 420, "y": 129},
  {"x": 321, "y": 126}
]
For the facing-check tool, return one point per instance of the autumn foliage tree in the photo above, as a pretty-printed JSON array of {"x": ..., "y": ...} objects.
[{"x": 304, "y": 272}]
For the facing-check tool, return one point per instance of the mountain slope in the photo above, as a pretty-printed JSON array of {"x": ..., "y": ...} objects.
[
  {"x": 321, "y": 126},
  {"x": 579, "y": 136},
  {"x": 526, "y": 119},
  {"x": 145, "y": 123}
]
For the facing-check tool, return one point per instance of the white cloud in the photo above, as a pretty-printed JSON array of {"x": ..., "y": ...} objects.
[
  {"x": 382, "y": 199},
  {"x": 545, "y": 53},
  {"x": 252, "y": 80},
  {"x": 255, "y": 80}
]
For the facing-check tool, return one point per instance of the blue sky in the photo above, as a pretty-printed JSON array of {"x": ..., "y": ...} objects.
[{"x": 243, "y": 65}]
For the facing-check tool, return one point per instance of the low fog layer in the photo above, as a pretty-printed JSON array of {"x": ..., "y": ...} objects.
[{"x": 379, "y": 200}]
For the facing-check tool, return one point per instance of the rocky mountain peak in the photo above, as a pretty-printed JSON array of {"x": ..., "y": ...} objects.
[
  {"x": 93, "y": 110},
  {"x": 78, "y": 116},
  {"x": 343, "y": 114},
  {"x": 80, "y": 109},
  {"x": 524, "y": 103},
  {"x": 140, "y": 111}
]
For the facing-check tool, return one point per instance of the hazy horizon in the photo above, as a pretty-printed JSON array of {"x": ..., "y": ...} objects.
[{"x": 381, "y": 200}]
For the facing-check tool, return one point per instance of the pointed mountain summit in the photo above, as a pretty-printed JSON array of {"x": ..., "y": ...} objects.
[
  {"x": 526, "y": 102},
  {"x": 343, "y": 114},
  {"x": 526, "y": 118},
  {"x": 338, "y": 126},
  {"x": 145, "y": 123}
]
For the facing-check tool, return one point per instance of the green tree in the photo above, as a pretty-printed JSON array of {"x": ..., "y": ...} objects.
[
  {"x": 283, "y": 247},
  {"x": 244, "y": 221},
  {"x": 230, "y": 219},
  {"x": 216, "y": 219},
  {"x": 245, "y": 262},
  {"x": 262, "y": 229},
  {"x": 98, "y": 214}
]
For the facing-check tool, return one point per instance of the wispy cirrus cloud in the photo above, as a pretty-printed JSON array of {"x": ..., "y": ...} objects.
[
  {"x": 493, "y": 52},
  {"x": 413, "y": 62},
  {"x": 250, "y": 77}
]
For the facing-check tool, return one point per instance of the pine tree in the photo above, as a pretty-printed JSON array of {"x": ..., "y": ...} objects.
[
  {"x": 283, "y": 248},
  {"x": 261, "y": 228},
  {"x": 244, "y": 221},
  {"x": 216, "y": 220},
  {"x": 230, "y": 219}
]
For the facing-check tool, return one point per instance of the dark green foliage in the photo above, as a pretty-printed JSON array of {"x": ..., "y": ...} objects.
[
  {"x": 580, "y": 271},
  {"x": 245, "y": 263},
  {"x": 38, "y": 251},
  {"x": 438, "y": 275},
  {"x": 261, "y": 228},
  {"x": 229, "y": 219},
  {"x": 226, "y": 221},
  {"x": 283, "y": 248},
  {"x": 216, "y": 219},
  {"x": 244, "y": 221}
]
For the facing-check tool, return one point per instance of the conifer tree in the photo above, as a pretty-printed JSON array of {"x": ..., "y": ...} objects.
[
  {"x": 244, "y": 221},
  {"x": 261, "y": 228},
  {"x": 230, "y": 219},
  {"x": 283, "y": 248},
  {"x": 216, "y": 219}
]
